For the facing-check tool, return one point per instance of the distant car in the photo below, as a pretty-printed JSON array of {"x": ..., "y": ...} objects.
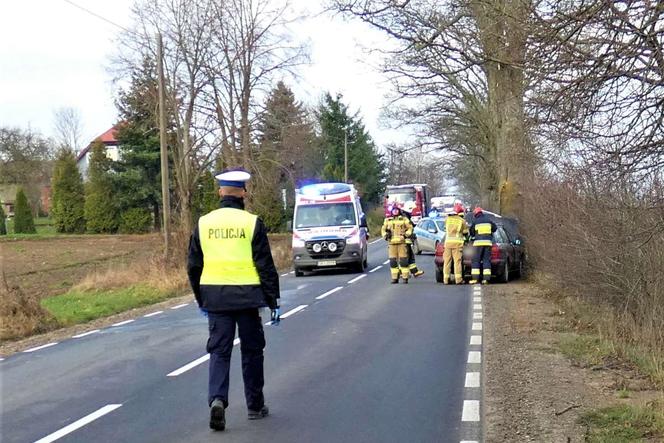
[
  {"x": 508, "y": 258},
  {"x": 429, "y": 233}
]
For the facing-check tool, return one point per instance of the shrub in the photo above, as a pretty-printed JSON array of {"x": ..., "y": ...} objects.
[
  {"x": 101, "y": 214},
  {"x": 68, "y": 195},
  {"x": 23, "y": 221},
  {"x": 135, "y": 221}
]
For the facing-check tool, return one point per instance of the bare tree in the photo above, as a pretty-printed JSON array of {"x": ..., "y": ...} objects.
[{"x": 68, "y": 127}]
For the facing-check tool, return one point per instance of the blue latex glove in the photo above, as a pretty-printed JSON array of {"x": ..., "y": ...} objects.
[
  {"x": 275, "y": 316},
  {"x": 203, "y": 312}
]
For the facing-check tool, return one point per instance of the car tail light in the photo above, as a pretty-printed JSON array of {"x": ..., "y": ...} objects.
[
  {"x": 440, "y": 249},
  {"x": 495, "y": 252}
]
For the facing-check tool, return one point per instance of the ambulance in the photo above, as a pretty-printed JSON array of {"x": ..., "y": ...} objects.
[{"x": 329, "y": 228}]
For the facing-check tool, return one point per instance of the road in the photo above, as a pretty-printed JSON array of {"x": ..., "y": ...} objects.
[{"x": 355, "y": 360}]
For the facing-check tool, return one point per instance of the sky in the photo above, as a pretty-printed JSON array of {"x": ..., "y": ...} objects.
[{"x": 53, "y": 55}]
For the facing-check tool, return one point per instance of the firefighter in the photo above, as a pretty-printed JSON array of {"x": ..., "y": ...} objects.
[
  {"x": 456, "y": 229},
  {"x": 481, "y": 229},
  {"x": 412, "y": 266},
  {"x": 395, "y": 230}
]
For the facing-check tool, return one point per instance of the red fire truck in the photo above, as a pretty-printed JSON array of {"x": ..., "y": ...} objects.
[{"x": 413, "y": 196}]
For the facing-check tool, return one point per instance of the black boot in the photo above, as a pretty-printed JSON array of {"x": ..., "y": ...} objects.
[
  {"x": 217, "y": 415},
  {"x": 256, "y": 415},
  {"x": 395, "y": 281}
]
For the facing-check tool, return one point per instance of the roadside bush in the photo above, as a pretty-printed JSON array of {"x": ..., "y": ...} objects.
[
  {"x": 600, "y": 239},
  {"x": 21, "y": 314},
  {"x": 23, "y": 221},
  {"x": 375, "y": 218},
  {"x": 3, "y": 224},
  {"x": 135, "y": 221}
]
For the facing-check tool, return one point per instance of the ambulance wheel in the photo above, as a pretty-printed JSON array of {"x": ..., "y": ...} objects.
[
  {"x": 360, "y": 266},
  {"x": 299, "y": 273},
  {"x": 439, "y": 275}
]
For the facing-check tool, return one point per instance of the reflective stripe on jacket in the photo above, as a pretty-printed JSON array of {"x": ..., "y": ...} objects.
[
  {"x": 455, "y": 229},
  {"x": 482, "y": 229},
  {"x": 400, "y": 228},
  {"x": 226, "y": 235}
]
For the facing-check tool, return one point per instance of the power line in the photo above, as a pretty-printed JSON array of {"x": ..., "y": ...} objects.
[{"x": 101, "y": 17}]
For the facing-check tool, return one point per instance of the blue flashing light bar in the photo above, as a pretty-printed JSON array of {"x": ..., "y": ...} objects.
[{"x": 324, "y": 189}]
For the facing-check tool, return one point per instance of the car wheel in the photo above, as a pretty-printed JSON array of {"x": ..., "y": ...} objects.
[
  {"x": 505, "y": 277},
  {"x": 416, "y": 248},
  {"x": 519, "y": 272},
  {"x": 439, "y": 275},
  {"x": 299, "y": 273}
]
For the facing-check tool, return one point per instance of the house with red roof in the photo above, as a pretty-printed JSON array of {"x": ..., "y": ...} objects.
[{"x": 112, "y": 150}]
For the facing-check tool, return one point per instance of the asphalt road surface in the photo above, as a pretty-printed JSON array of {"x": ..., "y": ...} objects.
[{"x": 355, "y": 359}]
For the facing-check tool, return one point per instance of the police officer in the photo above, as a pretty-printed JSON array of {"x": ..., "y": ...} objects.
[
  {"x": 395, "y": 230},
  {"x": 232, "y": 275},
  {"x": 456, "y": 229},
  {"x": 482, "y": 229}
]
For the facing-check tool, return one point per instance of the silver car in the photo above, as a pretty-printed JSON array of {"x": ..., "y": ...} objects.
[{"x": 429, "y": 232}]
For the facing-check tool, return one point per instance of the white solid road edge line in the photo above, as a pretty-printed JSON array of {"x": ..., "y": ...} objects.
[
  {"x": 359, "y": 277},
  {"x": 48, "y": 345},
  {"x": 330, "y": 292},
  {"x": 78, "y": 423},
  {"x": 471, "y": 410},
  {"x": 376, "y": 268},
  {"x": 152, "y": 314},
  {"x": 85, "y": 334},
  {"x": 122, "y": 323},
  {"x": 180, "y": 306}
]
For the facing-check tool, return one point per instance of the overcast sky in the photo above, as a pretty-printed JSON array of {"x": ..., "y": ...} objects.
[{"x": 55, "y": 55}]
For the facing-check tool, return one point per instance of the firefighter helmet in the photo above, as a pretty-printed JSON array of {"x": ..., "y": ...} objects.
[
  {"x": 458, "y": 208},
  {"x": 477, "y": 211}
]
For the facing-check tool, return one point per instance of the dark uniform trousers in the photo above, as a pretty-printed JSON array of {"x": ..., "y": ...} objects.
[
  {"x": 482, "y": 255},
  {"x": 220, "y": 347}
]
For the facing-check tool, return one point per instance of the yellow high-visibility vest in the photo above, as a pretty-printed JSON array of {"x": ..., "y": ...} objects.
[{"x": 226, "y": 236}]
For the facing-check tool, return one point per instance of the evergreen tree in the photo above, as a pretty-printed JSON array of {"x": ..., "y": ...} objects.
[
  {"x": 68, "y": 195},
  {"x": 3, "y": 224},
  {"x": 101, "y": 212},
  {"x": 365, "y": 164},
  {"x": 23, "y": 222},
  {"x": 138, "y": 175}
]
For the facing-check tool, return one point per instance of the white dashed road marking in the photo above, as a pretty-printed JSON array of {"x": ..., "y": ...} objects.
[
  {"x": 386, "y": 262},
  {"x": 330, "y": 292},
  {"x": 375, "y": 241},
  {"x": 122, "y": 323},
  {"x": 189, "y": 366},
  {"x": 477, "y": 299},
  {"x": 293, "y": 311},
  {"x": 48, "y": 345},
  {"x": 376, "y": 268},
  {"x": 152, "y": 314},
  {"x": 85, "y": 334},
  {"x": 477, "y": 326},
  {"x": 471, "y": 410},
  {"x": 285, "y": 275},
  {"x": 474, "y": 357},
  {"x": 180, "y": 306},
  {"x": 359, "y": 277},
  {"x": 477, "y": 307},
  {"x": 472, "y": 379},
  {"x": 477, "y": 316},
  {"x": 475, "y": 339},
  {"x": 78, "y": 424}
]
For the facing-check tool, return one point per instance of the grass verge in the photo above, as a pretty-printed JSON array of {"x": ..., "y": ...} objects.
[
  {"x": 625, "y": 423},
  {"x": 77, "y": 306}
]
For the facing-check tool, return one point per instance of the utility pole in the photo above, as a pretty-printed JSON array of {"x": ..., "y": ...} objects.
[
  {"x": 165, "y": 196},
  {"x": 345, "y": 154}
]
